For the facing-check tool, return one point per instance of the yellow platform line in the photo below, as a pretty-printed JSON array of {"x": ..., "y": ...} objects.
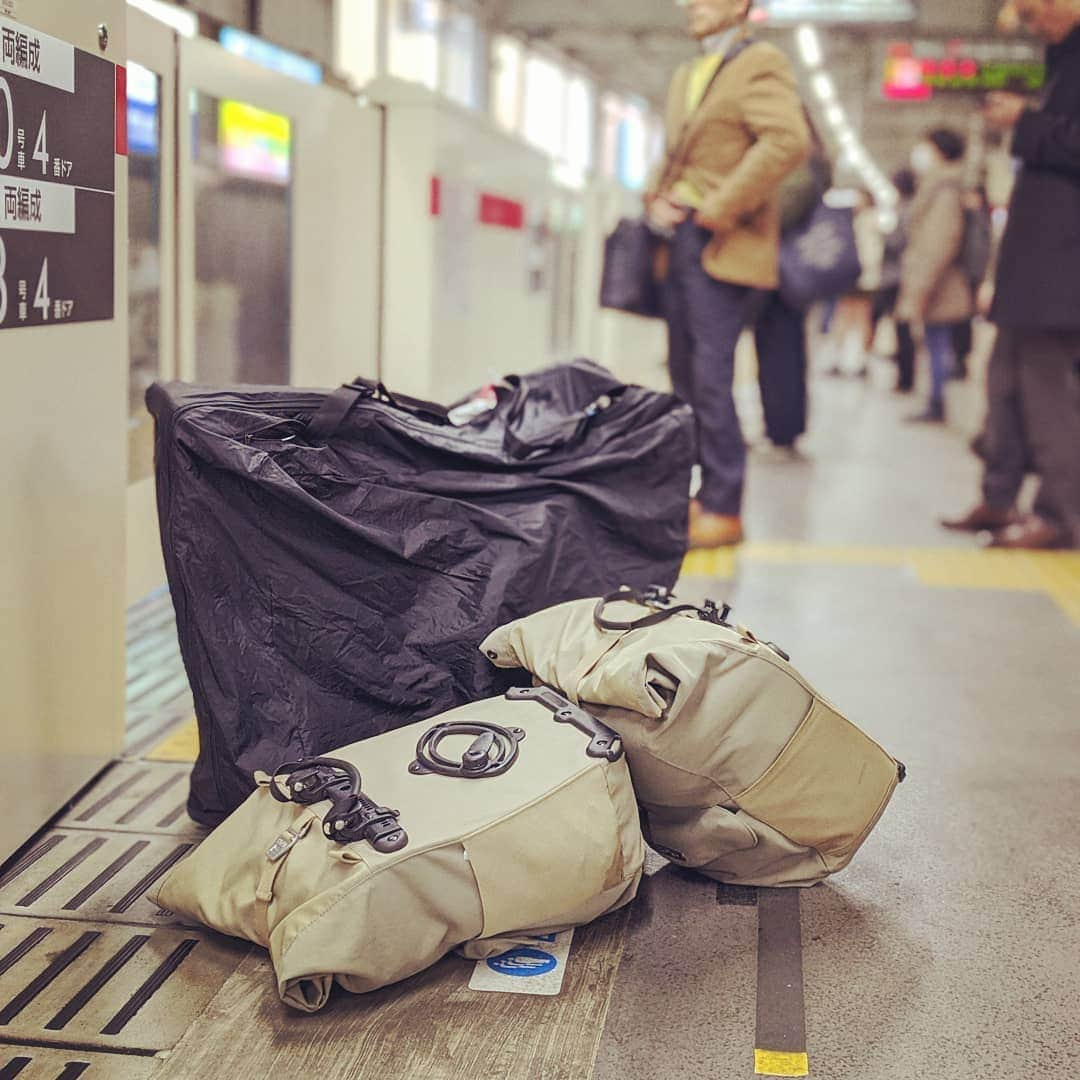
[
  {"x": 780, "y": 1063},
  {"x": 1055, "y": 574},
  {"x": 181, "y": 745}
]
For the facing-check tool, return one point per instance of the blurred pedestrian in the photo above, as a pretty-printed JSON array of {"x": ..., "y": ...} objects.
[
  {"x": 780, "y": 326},
  {"x": 1033, "y": 380},
  {"x": 934, "y": 289},
  {"x": 888, "y": 293},
  {"x": 736, "y": 111}
]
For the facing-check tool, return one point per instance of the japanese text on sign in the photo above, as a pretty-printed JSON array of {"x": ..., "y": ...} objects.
[{"x": 21, "y": 50}]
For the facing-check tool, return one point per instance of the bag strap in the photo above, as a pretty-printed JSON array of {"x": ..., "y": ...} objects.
[
  {"x": 677, "y": 155},
  {"x": 658, "y": 598},
  {"x": 337, "y": 405}
]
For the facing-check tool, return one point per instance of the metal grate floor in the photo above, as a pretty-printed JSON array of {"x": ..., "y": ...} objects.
[
  {"x": 78, "y": 874},
  {"x": 39, "y": 1063},
  {"x": 91, "y": 985}
]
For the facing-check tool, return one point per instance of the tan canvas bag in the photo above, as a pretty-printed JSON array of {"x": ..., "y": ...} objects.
[
  {"x": 550, "y": 842},
  {"x": 742, "y": 769}
]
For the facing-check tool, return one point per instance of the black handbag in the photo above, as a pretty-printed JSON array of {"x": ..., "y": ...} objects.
[
  {"x": 819, "y": 259},
  {"x": 335, "y": 558},
  {"x": 629, "y": 281}
]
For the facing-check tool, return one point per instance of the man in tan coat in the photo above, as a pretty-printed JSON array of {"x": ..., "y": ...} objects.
[
  {"x": 935, "y": 291},
  {"x": 735, "y": 129}
]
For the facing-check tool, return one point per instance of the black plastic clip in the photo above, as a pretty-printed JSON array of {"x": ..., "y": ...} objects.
[
  {"x": 492, "y": 752},
  {"x": 603, "y": 742},
  {"x": 353, "y": 815}
]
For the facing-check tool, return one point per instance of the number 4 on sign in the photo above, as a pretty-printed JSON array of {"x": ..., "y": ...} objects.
[
  {"x": 41, "y": 150},
  {"x": 41, "y": 293}
]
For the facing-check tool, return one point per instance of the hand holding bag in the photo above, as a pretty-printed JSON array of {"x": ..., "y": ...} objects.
[{"x": 630, "y": 281}]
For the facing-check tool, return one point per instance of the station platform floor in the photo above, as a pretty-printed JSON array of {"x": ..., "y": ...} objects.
[{"x": 948, "y": 950}]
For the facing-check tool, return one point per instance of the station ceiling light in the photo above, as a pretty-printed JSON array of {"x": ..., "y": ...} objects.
[
  {"x": 809, "y": 44},
  {"x": 823, "y": 87}
]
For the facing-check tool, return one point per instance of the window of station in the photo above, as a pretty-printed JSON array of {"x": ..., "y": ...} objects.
[
  {"x": 625, "y": 142},
  {"x": 461, "y": 42},
  {"x": 144, "y": 261},
  {"x": 545, "y": 105},
  {"x": 507, "y": 73},
  {"x": 413, "y": 40},
  {"x": 243, "y": 188},
  {"x": 580, "y": 125}
]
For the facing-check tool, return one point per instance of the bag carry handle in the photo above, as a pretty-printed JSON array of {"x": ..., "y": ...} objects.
[
  {"x": 658, "y": 598},
  {"x": 562, "y": 433},
  {"x": 336, "y": 406},
  {"x": 353, "y": 815}
]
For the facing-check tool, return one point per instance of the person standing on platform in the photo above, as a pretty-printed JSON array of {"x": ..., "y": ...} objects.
[
  {"x": 736, "y": 117},
  {"x": 889, "y": 292},
  {"x": 934, "y": 289},
  {"x": 1033, "y": 381},
  {"x": 780, "y": 327}
]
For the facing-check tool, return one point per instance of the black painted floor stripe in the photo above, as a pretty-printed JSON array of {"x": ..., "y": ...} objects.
[
  {"x": 59, "y": 965},
  {"x": 149, "y": 799},
  {"x": 110, "y": 796},
  {"x": 736, "y": 895},
  {"x": 60, "y": 872},
  {"x": 14, "y": 1067},
  {"x": 781, "y": 1009},
  {"x": 24, "y": 946},
  {"x": 150, "y": 987},
  {"x": 173, "y": 816},
  {"x": 100, "y": 978},
  {"x": 105, "y": 876},
  {"x": 147, "y": 880},
  {"x": 32, "y": 857},
  {"x": 73, "y": 1069}
]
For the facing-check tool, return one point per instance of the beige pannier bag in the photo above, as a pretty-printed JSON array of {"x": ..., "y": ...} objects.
[
  {"x": 536, "y": 832},
  {"x": 742, "y": 769}
]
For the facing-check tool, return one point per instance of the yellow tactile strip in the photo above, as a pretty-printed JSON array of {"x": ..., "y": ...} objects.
[{"x": 1053, "y": 573}]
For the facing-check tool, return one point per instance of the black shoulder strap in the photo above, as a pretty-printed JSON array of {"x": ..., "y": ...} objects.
[
  {"x": 676, "y": 156},
  {"x": 336, "y": 406}
]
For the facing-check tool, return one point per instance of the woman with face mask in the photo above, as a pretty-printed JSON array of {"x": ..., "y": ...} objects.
[{"x": 934, "y": 288}]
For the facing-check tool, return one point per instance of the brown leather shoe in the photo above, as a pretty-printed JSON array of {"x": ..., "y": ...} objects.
[
  {"x": 1031, "y": 533},
  {"x": 981, "y": 518},
  {"x": 715, "y": 530}
]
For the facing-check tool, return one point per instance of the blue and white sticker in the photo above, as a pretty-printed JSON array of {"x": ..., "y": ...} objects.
[{"x": 526, "y": 969}]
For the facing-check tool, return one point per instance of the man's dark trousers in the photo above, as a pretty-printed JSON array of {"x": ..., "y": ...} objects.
[
  {"x": 1033, "y": 387},
  {"x": 780, "y": 336},
  {"x": 705, "y": 318}
]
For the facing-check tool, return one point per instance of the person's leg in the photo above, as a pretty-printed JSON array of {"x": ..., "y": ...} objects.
[
  {"x": 680, "y": 345},
  {"x": 1005, "y": 440},
  {"x": 716, "y": 315},
  {"x": 939, "y": 344},
  {"x": 963, "y": 334},
  {"x": 780, "y": 335},
  {"x": 1049, "y": 365},
  {"x": 905, "y": 358}
]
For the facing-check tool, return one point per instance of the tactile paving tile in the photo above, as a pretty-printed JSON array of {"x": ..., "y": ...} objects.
[
  {"x": 119, "y": 987},
  {"x": 37, "y": 1063},
  {"x": 137, "y": 797},
  {"x": 78, "y": 874}
]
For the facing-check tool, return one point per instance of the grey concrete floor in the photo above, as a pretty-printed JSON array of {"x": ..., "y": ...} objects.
[{"x": 950, "y": 947}]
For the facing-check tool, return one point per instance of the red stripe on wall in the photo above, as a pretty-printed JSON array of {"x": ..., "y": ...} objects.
[
  {"x": 505, "y": 213},
  {"x": 435, "y": 197},
  {"x": 121, "y": 110}
]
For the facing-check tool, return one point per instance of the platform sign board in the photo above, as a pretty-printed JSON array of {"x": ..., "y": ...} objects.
[{"x": 58, "y": 140}]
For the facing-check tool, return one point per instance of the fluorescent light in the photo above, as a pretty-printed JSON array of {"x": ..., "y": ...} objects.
[
  {"x": 809, "y": 45},
  {"x": 847, "y": 137},
  {"x": 836, "y": 116},
  {"x": 823, "y": 87},
  {"x": 182, "y": 21}
]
